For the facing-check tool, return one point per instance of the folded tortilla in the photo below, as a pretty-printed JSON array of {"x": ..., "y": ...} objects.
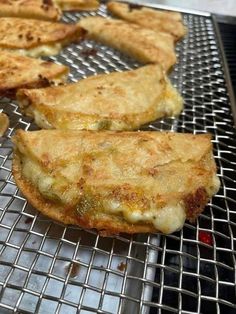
[
  {"x": 115, "y": 101},
  {"x": 156, "y": 20},
  {"x": 25, "y": 72},
  {"x": 145, "y": 45},
  {"x": 36, "y": 38},
  {"x": 30, "y": 9},
  {"x": 116, "y": 181},
  {"x": 78, "y": 5}
]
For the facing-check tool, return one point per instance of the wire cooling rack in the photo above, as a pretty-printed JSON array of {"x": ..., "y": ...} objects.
[{"x": 46, "y": 267}]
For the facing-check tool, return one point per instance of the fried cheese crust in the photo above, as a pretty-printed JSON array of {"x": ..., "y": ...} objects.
[
  {"x": 115, "y": 101},
  {"x": 145, "y": 45},
  {"x": 30, "y": 9},
  {"x": 78, "y": 5},
  {"x": 25, "y": 72},
  {"x": 36, "y": 38},
  {"x": 156, "y": 20},
  {"x": 116, "y": 182}
]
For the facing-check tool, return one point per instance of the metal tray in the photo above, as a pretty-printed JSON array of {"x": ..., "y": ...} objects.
[{"x": 46, "y": 267}]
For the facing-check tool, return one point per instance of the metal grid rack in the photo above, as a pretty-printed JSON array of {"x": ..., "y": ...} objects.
[{"x": 46, "y": 267}]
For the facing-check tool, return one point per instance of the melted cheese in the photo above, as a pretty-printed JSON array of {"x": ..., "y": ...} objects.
[
  {"x": 172, "y": 101},
  {"x": 41, "y": 121},
  {"x": 34, "y": 173},
  {"x": 214, "y": 187},
  {"x": 43, "y": 50},
  {"x": 48, "y": 186},
  {"x": 167, "y": 219}
]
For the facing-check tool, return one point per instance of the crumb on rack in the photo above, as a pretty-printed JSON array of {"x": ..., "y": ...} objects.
[
  {"x": 74, "y": 269},
  {"x": 89, "y": 52},
  {"x": 122, "y": 266},
  {"x": 28, "y": 220}
]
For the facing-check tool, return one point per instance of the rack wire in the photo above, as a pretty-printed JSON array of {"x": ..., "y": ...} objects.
[{"x": 46, "y": 267}]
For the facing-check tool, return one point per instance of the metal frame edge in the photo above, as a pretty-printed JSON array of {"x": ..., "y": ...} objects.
[
  {"x": 164, "y": 7},
  {"x": 225, "y": 69}
]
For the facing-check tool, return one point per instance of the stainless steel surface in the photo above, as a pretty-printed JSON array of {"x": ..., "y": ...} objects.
[
  {"x": 226, "y": 69},
  {"x": 169, "y": 6},
  {"x": 211, "y": 6},
  {"x": 46, "y": 267}
]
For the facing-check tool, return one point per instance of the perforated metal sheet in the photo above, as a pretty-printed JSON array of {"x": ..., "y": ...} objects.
[{"x": 46, "y": 267}]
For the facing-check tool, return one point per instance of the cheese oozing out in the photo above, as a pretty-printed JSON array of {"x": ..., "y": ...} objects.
[
  {"x": 40, "y": 51},
  {"x": 167, "y": 219}
]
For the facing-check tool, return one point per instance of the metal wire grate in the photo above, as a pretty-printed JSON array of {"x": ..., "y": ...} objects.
[{"x": 46, "y": 267}]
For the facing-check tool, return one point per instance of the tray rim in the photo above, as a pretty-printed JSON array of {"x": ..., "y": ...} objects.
[
  {"x": 163, "y": 6},
  {"x": 225, "y": 68}
]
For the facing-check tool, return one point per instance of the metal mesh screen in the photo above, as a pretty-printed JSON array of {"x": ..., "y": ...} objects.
[{"x": 46, "y": 267}]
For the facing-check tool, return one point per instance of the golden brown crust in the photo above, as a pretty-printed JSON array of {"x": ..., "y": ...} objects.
[
  {"x": 30, "y": 9},
  {"x": 146, "y": 45},
  {"x": 4, "y": 123},
  {"x": 156, "y": 20},
  {"x": 78, "y": 5},
  {"x": 108, "y": 225},
  {"x": 17, "y": 33},
  {"x": 115, "y": 101},
  {"x": 195, "y": 203},
  {"x": 101, "y": 170},
  {"x": 25, "y": 72}
]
